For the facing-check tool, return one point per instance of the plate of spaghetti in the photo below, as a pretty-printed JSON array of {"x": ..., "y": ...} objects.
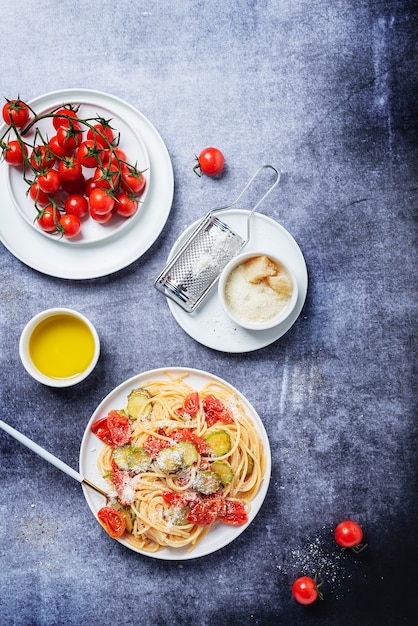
[{"x": 185, "y": 461}]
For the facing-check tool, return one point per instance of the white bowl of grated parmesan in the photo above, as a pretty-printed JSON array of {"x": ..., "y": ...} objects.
[{"x": 257, "y": 291}]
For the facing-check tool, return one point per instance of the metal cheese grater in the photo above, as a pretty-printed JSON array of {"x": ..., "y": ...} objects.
[{"x": 195, "y": 268}]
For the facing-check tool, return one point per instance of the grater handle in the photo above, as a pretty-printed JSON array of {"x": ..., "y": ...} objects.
[{"x": 251, "y": 213}]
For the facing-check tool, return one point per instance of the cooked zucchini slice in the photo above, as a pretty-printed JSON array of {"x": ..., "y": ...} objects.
[
  {"x": 132, "y": 459},
  {"x": 207, "y": 482},
  {"x": 223, "y": 470},
  {"x": 219, "y": 441},
  {"x": 174, "y": 458},
  {"x": 138, "y": 404},
  {"x": 250, "y": 466}
]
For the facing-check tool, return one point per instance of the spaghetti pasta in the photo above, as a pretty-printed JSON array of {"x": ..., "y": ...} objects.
[{"x": 178, "y": 461}]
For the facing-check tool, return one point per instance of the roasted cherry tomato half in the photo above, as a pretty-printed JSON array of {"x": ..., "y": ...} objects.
[
  {"x": 112, "y": 521},
  {"x": 210, "y": 162}
]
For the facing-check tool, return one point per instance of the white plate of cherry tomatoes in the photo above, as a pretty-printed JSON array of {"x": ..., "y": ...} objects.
[{"x": 100, "y": 249}]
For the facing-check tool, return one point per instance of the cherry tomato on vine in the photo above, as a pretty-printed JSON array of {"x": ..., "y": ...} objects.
[
  {"x": 210, "y": 162},
  {"x": 349, "y": 534},
  {"x": 49, "y": 182},
  {"x": 107, "y": 176},
  {"x": 76, "y": 204},
  {"x": 69, "y": 137},
  {"x": 116, "y": 157},
  {"x": 42, "y": 158},
  {"x": 305, "y": 590},
  {"x": 74, "y": 186},
  {"x": 48, "y": 219},
  {"x": 13, "y": 154},
  {"x": 132, "y": 180},
  {"x": 70, "y": 169},
  {"x": 17, "y": 112},
  {"x": 125, "y": 206},
  {"x": 37, "y": 195},
  {"x": 62, "y": 117},
  {"x": 102, "y": 218},
  {"x": 88, "y": 153},
  {"x": 58, "y": 151},
  {"x": 100, "y": 132},
  {"x": 89, "y": 185},
  {"x": 71, "y": 225},
  {"x": 100, "y": 201}
]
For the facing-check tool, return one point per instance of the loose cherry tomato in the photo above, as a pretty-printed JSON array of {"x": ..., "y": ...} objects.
[
  {"x": 76, "y": 204},
  {"x": 69, "y": 137},
  {"x": 100, "y": 133},
  {"x": 70, "y": 224},
  {"x": 37, "y": 195},
  {"x": 119, "y": 428},
  {"x": 210, "y": 162},
  {"x": 48, "y": 219},
  {"x": 49, "y": 182},
  {"x": 132, "y": 180},
  {"x": 101, "y": 201},
  {"x": 70, "y": 169},
  {"x": 348, "y": 534},
  {"x": 17, "y": 112},
  {"x": 112, "y": 521},
  {"x": 305, "y": 590},
  {"x": 88, "y": 153},
  {"x": 42, "y": 158},
  {"x": 12, "y": 153},
  {"x": 64, "y": 117},
  {"x": 125, "y": 206}
]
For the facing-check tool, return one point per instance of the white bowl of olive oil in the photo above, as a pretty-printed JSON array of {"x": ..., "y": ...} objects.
[{"x": 59, "y": 347}]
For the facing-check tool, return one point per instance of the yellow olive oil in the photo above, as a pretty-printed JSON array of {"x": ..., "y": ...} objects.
[{"x": 61, "y": 346}]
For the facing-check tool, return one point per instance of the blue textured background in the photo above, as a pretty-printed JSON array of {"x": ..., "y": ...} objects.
[{"x": 327, "y": 91}]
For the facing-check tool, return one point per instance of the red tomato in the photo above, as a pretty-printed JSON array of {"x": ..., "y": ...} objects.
[
  {"x": 132, "y": 180},
  {"x": 191, "y": 403},
  {"x": 210, "y": 162},
  {"x": 49, "y": 182},
  {"x": 100, "y": 428},
  {"x": 173, "y": 499},
  {"x": 305, "y": 590},
  {"x": 107, "y": 176},
  {"x": 74, "y": 186},
  {"x": 37, "y": 195},
  {"x": 112, "y": 521},
  {"x": 117, "y": 156},
  {"x": 88, "y": 154},
  {"x": 42, "y": 158},
  {"x": 124, "y": 205},
  {"x": 205, "y": 511},
  {"x": 153, "y": 445},
  {"x": 215, "y": 411},
  {"x": 101, "y": 133},
  {"x": 16, "y": 112},
  {"x": 89, "y": 186},
  {"x": 348, "y": 534},
  {"x": 56, "y": 150},
  {"x": 232, "y": 512},
  {"x": 69, "y": 137},
  {"x": 12, "y": 153},
  {"x": 101, "y": 201},
  {"x": 76, "y": 204},
  {"x": 65, "y": 116},
  {"x": 70, "y": 169},
  {"x": 184, "y": 434},
  {"x": 102, "y": 218},
  {"x": 71, "y": 225},
  {"x": 48, "y": 219},
  {"x": 119, "y": 427}
]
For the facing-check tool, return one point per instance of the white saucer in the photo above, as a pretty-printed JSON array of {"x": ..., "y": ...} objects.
[
  {"x": 103, "y": 257},
  {"x": 209, "y": 325}
]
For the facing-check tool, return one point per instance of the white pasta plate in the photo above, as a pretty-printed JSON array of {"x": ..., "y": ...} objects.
[{"x": 220, "y": 535}]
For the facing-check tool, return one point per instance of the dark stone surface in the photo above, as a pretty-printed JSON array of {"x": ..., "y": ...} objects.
[{"x": 326, "y": 91}]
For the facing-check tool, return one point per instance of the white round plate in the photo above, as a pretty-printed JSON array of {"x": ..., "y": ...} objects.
[
  {"x": 126, "y": 245},
  {"x": 221, "y": 534},
  {"x": 209, "y": 324},
  {"x": 130, "y": 142}
]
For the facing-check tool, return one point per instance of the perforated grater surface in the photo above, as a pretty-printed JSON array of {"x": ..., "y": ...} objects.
[{"x": 195, "y": 268}]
